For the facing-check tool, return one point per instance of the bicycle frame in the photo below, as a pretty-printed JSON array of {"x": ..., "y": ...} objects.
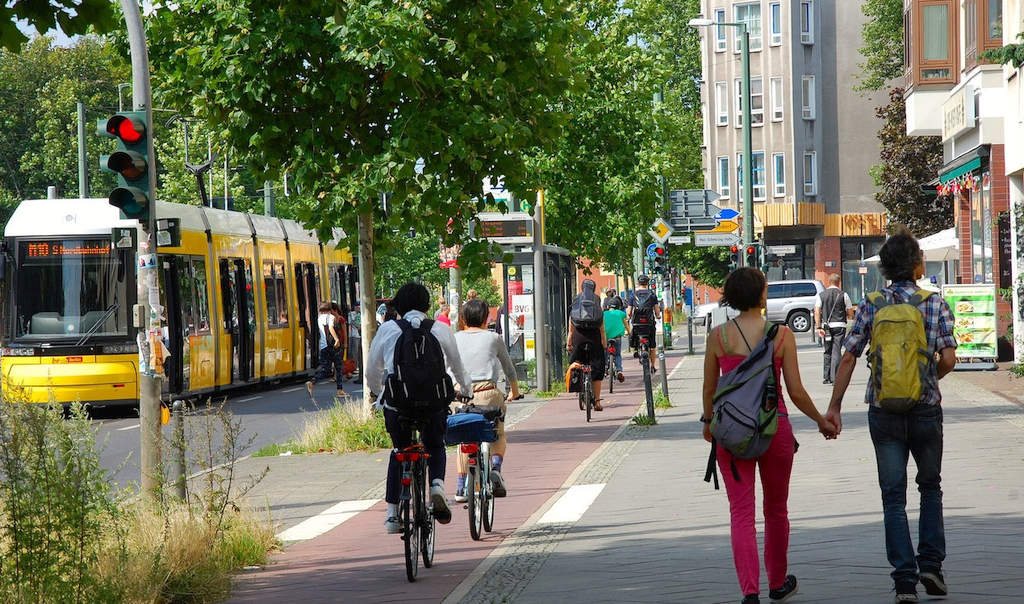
[{"x": 415, "y": 513}]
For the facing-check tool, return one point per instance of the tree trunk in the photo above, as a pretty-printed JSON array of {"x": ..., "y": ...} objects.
[{"x": 367, "y": 299}]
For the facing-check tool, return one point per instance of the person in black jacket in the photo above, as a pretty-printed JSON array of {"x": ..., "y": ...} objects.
[{"x": 586, "y": 340}]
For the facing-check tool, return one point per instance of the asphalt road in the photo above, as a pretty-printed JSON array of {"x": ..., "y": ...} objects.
[{"x": 268, "y": 415}]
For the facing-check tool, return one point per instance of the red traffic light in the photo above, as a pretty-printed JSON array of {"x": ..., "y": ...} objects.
[
  {"x": 660, "y": 251},
  {"x": 734, "y": 249},
  {"x": 750, "y": 249},
  {"x": 128, "y": 129}
]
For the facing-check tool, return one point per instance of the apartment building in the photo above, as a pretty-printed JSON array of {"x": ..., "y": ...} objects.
[
  {"x": 814, "y": 137},
  {"x": 1013, "y": 127},
  {"x": 952, "y": 92}
]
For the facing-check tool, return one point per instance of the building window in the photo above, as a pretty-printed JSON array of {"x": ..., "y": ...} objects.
[
  {"x": 981, "y": 232},
  {"x": 722, "y": 103},
  {"x": 775, "y": 17},
  {"x": 723, "y": 176},
  {"x": 779, "y": 171},
  {"x": 756, "y": 101},
  {"x": 807, "y": 21},
  {"x": 983, "y": 28},
  {"x": 757, "y": 174},
  {"x": 750, "y": 14},
  {"x": 276, "y": 294},
  {"x": 776, "y": 92},
  {"x": 931, "y": 34},
  {"x": 810, "y": 173},
  {"x": 807, "y": 97},
  {"x": 720, "y": 40},
  {"x": 935, "y": 42}
]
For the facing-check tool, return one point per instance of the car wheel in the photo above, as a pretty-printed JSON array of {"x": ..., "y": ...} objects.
[{"x": 800, "y": 321}]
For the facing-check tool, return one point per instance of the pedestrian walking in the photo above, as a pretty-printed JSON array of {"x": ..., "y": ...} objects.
[
  {"x": 486, "y": 359},
  {"x": 443, "y": 309},
  {"x": 905, "y": 330},
  {"x": 832, "y": 309},
  {"x": 330, "y": 346},
  {"x": 728, "y": 346}
]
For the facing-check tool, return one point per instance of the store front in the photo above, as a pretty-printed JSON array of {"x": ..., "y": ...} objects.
[{"x": 789, "y": 260}]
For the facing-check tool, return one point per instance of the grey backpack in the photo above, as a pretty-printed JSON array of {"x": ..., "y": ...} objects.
[{"x": 746, "y": 406}]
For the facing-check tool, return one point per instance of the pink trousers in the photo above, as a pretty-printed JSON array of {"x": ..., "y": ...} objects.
[{"x": 775, "y": 467}]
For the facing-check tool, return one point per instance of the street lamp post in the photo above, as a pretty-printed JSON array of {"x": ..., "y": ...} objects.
[{"x": 748, "y": 165}]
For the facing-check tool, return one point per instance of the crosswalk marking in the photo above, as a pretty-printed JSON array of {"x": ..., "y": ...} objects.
[
  {"x": 571, "y": 506},
  {"x": 326, "y": 520}
]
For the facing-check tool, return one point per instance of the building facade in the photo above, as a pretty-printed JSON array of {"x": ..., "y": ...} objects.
[
  {"x": 952, "y": 92},
  {"x": 814, "y": 136},
  {"x": 1013, "y": 128}
]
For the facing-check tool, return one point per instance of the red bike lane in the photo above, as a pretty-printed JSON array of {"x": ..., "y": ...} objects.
[{"x": 357, "y": 561}]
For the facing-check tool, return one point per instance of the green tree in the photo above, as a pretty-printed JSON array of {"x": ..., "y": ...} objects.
[
  {"x": 72, "y": 16},
  {"x": 708, "y": 265},
  {"x": 422, "y": 100},
  {"x": 882, "y": 47},
  {"x": 907, "y": 162}
]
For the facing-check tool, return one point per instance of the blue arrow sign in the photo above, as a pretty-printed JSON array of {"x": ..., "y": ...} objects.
[
  {"x": 726, "y": 214},
  {"x": 650, "y": 250}
]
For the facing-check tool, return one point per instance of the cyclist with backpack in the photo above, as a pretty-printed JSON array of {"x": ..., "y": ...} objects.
[
  {"x": 904, "y": 328},
  {"x": 407, "y": 365},
  {"x": 747, "y": 339},
  {"x": 586, "y": 340},
  {"x": 643, "y": 315}
]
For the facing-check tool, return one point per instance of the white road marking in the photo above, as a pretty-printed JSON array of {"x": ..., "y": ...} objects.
[
  {"x": 295, "y": 389},
  {"x": 571, "y": 506},
  {"x": 326, "y": 520},
  {"x": 250, "y": 398},
  {"x": 132, "y": 427}
]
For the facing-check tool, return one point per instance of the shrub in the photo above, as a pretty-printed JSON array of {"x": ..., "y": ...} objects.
[{"x": 341, "y": 428}]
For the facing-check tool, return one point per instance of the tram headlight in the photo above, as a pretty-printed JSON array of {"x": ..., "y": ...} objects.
[
  {"x": 120, "y": 349},
  {"x": 18, "y": 352}
]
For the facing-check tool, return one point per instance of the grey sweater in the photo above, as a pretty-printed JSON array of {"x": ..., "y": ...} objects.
[{"x": 484, "y": 356}]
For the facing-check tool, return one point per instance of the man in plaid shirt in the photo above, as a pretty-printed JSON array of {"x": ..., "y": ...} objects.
[{"x": 898, "y": 436}]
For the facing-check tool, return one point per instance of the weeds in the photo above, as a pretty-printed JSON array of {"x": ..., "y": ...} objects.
[
  {"x": 556, "y": 389},
  {"x": 661, "y": 401},
  {"x": 644, "y": 420},
  {"x": 341, "y": 428}
]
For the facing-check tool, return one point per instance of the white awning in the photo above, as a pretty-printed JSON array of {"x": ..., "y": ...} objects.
[{"x": 937, "y": 247}]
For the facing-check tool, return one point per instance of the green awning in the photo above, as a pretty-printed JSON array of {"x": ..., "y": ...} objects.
[{"x": 970, "y": 166}]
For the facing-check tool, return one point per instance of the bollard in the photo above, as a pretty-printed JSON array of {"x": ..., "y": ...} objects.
[
  {"x": 178, "y": 416},
  {"x": 664, "y": 374},
  {"x": 689, "y": 334}
]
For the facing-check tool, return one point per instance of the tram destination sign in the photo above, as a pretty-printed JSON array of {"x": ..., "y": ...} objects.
[
  {"x": 64, "y": 248},
  {"x": 510, "y": 228}
]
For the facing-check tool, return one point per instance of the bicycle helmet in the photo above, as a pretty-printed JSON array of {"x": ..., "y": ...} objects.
[
  {"x": 616, "y": 303},
  {"x": 643, "y": 279}
]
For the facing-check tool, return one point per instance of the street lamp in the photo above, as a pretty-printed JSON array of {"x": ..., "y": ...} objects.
[{"x": 748, "y": 166}]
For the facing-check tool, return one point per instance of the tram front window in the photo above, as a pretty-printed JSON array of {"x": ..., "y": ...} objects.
[{"x": 69, "y": 289}]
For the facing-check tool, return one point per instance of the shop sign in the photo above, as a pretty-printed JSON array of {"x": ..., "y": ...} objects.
[
  {"x": 958, "y": 113},
  {"x": 974, "y": 319}
]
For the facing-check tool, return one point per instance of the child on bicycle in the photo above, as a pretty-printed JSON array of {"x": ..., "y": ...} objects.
[
  {"x": 412, "y": 303},
  {"x": 486, "y": 360}
]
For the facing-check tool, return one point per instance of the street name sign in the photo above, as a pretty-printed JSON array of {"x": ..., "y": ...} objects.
[
  {"x": 661, "y": 230},
  {"x": 713, "y": 239},
  {"x": 679, "y": 239},
  {"x": 781, "y": 250}
]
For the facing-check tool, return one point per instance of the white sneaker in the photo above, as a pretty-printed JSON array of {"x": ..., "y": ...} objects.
[
  {"x": 440, "y": 503},
  {"x": 392, "y": 526},
  {"x": 460, "y": 496}
]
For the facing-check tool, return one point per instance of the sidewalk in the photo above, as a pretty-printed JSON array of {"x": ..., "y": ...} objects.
[
  {"x": 658, "y": 533},
  {"x": 357, "y": 561}
]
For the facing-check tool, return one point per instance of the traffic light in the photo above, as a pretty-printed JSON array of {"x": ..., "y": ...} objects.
[
  {"x": 659, "y": 260},
  {"x": 130, "y": 162},
  {"x": 734, "y": 257},
  {"x": 752, "y": 257}
]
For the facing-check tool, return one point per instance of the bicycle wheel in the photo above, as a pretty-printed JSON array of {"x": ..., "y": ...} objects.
[
  {"x": 411, "y": 537},
  {"x": 610, "y": 363},
  {"x": 487, "y": 495},
  {"x": 473, "y": 500},
  {"x": 428, "y": 530},
  {"x": 588, "y": 392},
  {"x": 645, "y": 362}
]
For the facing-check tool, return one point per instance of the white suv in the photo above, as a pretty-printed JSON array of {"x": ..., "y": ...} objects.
[{"x": 792, "y": 302}]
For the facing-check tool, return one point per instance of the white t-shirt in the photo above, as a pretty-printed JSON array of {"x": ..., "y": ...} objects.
[
  {"x": 846, "y": 300},
  {"x": 324, "y": 322}
]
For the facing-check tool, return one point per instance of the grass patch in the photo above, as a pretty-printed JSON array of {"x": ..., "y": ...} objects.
[
  {"x": 643, "y": 420},
  {"x": 556, "y": 389},
  {"x": 342, "y": 428},
  {"x": 661, "y": 401}
]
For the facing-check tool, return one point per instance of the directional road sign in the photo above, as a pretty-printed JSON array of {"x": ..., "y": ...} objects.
[
  {"x": 724, "y": 226},
  {"x": 713, "y": 239},
  {"x": 727, "y": 214},
  {"x": 650, "y": 250},
  {"x": 661, "y": 230},
  {"x": 689, "y": 225}
]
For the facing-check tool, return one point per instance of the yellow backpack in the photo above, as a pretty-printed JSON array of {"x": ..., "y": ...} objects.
[{"x": 898, "y": 356}]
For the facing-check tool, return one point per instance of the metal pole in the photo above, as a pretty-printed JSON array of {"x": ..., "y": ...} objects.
[
  {"x": 454, "y": 294},
  {"x": 120, "y": 103},
  {"x": 661, "y": 368},
  {"x": 178, "y": 413},
  {"x": 539, "y": 309},
  {"x": 367, "y": 302},
  {"x": 150, "y": 359},
  {"x": 748, "y": 168},
  {"x": 268, "y": 198},
  {"x": 225, "y": 180},
  {"x": 209, "y": 158},
  {"x": 83, "y": 173},
  {"x": 51, "y": 192}
]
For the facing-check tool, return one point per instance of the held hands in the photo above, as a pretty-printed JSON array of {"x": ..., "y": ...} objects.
[
  {"x": 833, "y": 415},
  {"x": 827, "y": 428}
]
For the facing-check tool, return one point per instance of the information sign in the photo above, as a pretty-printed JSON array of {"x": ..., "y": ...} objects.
[
  {"x": 974, "y": 319},
  {"x": 713, "y": 239}
]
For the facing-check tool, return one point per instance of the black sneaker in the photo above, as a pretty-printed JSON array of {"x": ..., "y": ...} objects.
[
  {"x": 785, "y": 592},
  {"x": 751, "y": 599},
  {"x": 906, "y": 591},
  {"x": 934, "y": 584}
]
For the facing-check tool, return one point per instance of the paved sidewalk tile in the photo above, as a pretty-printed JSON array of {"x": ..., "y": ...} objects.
[{"x": 658, "y": 533}]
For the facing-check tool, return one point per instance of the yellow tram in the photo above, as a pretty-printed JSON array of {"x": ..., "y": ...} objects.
[{"x": 241, "y": 293}]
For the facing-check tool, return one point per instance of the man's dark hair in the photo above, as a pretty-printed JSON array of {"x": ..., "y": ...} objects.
[
  {"x": 899, "y": 256},
  {"x": 411, "y": 296},
  {"x": 743, "y": 289},
  {"x": 475, "y": 312},
  {"x": 643, "y": 279}
]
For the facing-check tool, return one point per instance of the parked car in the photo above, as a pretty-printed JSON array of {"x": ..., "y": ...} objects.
[
  {"x": 792, "y": 302},
  {"x": 702, "y": 310}
]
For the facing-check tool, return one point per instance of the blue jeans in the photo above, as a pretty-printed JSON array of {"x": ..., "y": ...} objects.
[
  {"x": 618, "y": 353},
  {"x": 896, "y": 437}
]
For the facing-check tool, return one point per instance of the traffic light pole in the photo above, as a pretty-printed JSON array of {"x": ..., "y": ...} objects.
[
  {"x": 748, "y": 168},
  {"x": 150, "y": 353}
]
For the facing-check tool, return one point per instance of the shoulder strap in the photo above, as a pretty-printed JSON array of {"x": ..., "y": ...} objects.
[
  {"x": 749, "y": 349},
  {"x": 771, "y": 330},
  {"x": 427, "y": 325},
  {"x": 919, "y": 296},
  {"x": 877, "y": 300}
]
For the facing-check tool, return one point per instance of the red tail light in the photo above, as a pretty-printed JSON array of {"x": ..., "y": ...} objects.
[
  {"x": 400, "y": 456},
  {"x": 406, "y": 482},
  {"x": 469, "y": 448},
  {"x": 413, "y": 456}
]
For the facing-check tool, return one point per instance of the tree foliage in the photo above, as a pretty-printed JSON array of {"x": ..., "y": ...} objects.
[
  {"x": 72, "y": 16},
  {"x": 421, "y": 100},
  {"x": 707, "y": 265},
  {"x": 907, "y": 162},
  {"x": 882, "y": 47},
  {"x": 1009, "y": 53}
]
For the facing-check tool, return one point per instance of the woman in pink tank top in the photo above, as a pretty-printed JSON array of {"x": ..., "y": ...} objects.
[{"x": 746, "y": 291}]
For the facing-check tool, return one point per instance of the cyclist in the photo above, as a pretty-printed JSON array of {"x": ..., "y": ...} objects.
[
  {"x": 610, "y": 299},
  {"x": 486, "y": 360},
  {"x": 412, "y": 303},
  {"x": 586, "y": 339},
  {"x": 643, "y": 313},
  {"x": 615, "y": 326}
]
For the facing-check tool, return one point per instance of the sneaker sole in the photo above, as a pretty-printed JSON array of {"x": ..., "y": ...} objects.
[
  {"x": 932, "y": 585},
  {"x": 441, "y": 512},
  {"x": 786, "y": 597}
]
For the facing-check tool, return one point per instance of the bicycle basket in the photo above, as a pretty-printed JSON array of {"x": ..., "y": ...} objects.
[{"x": 469, "y": 428}]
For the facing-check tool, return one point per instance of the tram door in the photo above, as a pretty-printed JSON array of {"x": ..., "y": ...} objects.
[
  {"x": 177, "y": 292},
  {"x": 305, "y": 286},
  {"x": 239, "y": 316}
]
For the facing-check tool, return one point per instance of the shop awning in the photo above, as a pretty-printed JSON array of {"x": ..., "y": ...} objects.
[{"x": 966, "y": 163}]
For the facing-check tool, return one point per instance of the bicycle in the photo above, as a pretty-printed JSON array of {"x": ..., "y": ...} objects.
[
  {"x": 416, "y": 517},
  {"x": 610, "y": 365},
  {"x": 644, "y": 353},
  {"x": 479, "y": 491}
]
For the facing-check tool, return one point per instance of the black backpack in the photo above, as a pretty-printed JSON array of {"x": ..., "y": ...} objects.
[
  {"x": 419, "y": 383},
  {"x": 643, "y": 307},
  {"x": 586, "y": 311}
]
